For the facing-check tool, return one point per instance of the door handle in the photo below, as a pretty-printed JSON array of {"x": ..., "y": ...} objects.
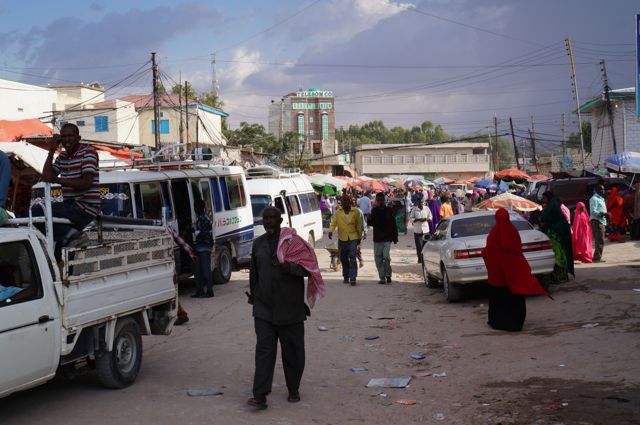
[{"x": 44, "y": 319}]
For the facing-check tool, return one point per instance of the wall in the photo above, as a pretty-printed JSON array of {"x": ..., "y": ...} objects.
[
  {"x": 454, "y": 160},
  {"x": 209, "y": 131},
  {"x": 626, "y": 128},
  {"x": 121, "y": 119},
  {"x": 23, "y": 101},
  {"x": 70, "y": 96}
]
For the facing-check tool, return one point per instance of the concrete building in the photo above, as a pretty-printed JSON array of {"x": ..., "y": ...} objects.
[
  {"x": 106, "y": 121},
  {"x": 451, "y": 160},
  {"x": 77, "y": 96},
  {"x": 625, "y": 124},
  {"x": 311, "y": 114},
  {"x": 205, "y": 122},
  {"x": 21, "y": 101}
]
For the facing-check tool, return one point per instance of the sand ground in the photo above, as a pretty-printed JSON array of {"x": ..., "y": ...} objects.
[{"x": 576, "y": 361}]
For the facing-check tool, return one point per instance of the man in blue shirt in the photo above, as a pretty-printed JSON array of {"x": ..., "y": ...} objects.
[{"x": 598, "y": 216}]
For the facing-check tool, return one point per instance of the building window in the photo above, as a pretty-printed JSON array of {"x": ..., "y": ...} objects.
[
  {"x": 311, "y": 133},
  {"x": 20, "y": 109},
  {"x": 101, "y": 123},
  {"x": 325, "y": 127},
  {"x": 317, "y": 148},
  {"x": 310, "y": 120},
  {"x": 80, "y": 123},
  {"x": 301, "y": 126},
  {"x": 164, "y": 126}
]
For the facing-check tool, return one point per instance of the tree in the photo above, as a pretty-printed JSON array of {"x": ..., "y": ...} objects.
[
  {"x": 253, "y": 135},
  {"x": 505, "y": 154},
  {"x": 179, "y": 88},
  {"x": 574, "y": 138}
]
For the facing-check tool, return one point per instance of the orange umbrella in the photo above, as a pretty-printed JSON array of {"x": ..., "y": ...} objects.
[
  {"x": 511, "y": 173},
  {"x": 539, "y": 177},
  {"x": 508, "y": 201}
]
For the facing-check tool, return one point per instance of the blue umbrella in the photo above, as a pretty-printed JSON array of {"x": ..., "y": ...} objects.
[
  {"x": 624, "y": 162},
  {"x": 503, "y": 187},
  {"x": 484, "y": 183}
]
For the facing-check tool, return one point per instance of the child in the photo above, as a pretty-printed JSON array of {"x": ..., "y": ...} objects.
[{"x": 203, "y": 247}]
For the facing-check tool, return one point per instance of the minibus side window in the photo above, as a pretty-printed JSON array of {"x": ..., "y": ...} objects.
[
  {"x": 235, "y": 191},
  {"x": 279, "y": 204},
  {"x": 148, "y": 201},
  {"x": 115, "y": 199},
  {"x": 216, "y": 194},
  {"x": 292, "y": 205},
  {"x": 166, "y": 200},
  {"x": 206, "y": 195},
  {"x": 313, "y": 201},
  {"x": 304, "y": 202},
  {"x": 225, "y": 194}
]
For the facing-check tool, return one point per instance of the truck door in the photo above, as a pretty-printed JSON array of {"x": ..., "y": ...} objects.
[{"x": 29, "y": 318}]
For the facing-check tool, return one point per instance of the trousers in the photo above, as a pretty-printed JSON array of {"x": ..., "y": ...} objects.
[
  {"x": 293, "y": 356},
  {"x": 417, "y": 237},
  {"x": 383, "y": 258},
  {"x": 597, "y": 230},
  {"x": 348, "y": 251},
  {"x": 202, "y": 271}
]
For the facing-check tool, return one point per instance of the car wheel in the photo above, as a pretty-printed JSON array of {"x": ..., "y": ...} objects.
[
  {"x": 224, "y": 265},
  {"x": 452, "y": 291},
  {"x": 429, "y": 281}
]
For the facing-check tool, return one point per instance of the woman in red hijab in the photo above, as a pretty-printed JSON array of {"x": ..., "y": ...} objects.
[
  {"x": 581, "y": 235},
  {"x": 615, "y": 207},
  {"x": 509, "y": 276}
]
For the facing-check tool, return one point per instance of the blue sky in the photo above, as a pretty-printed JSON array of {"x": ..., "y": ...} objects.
[{"x": 455, "y": 62}]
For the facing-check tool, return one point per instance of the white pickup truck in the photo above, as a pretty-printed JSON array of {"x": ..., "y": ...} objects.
[{"x": 89, "y": 310}]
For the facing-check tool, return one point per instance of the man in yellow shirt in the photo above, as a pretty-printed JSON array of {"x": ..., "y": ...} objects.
[{"x": 348, "y": 221}]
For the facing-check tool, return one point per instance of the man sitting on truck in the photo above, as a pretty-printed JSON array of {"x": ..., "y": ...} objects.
[{"x": 76, "y": 170}]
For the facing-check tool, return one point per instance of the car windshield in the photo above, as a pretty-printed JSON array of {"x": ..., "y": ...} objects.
[
  {"x": 258, "y": 204},
  {"x": 481, "y": 225}
]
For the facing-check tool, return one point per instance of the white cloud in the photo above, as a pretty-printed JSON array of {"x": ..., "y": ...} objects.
[{"x": 243, "y": 64}]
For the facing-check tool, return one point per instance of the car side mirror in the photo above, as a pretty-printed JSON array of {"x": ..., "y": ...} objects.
[{"x": 426, "y": 238}]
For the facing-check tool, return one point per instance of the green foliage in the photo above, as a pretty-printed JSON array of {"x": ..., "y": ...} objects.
[
  {"x": 377, "y": 132},
  {"x": 574, "y": 138}
]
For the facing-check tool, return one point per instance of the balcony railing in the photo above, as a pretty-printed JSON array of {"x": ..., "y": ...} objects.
[{"x": 425, "y": 159}]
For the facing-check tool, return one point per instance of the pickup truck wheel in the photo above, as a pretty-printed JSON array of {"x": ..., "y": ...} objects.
[
  {"x": 452, "y": 291},
  {"x": 119, "y": 368},
  {"x": 224, "y": 265},
  {"x": 429, "y": 281}
]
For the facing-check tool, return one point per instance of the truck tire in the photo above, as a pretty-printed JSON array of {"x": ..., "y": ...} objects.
[
  {"x": 452, "y": 291},
  {"x": 119, "y": 368},
  {"x": 224, "y": 265}
]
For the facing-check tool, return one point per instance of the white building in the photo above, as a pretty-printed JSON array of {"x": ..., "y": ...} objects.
[
  {"x": 107, "y": 121},
  {"x": 452, "y": 160},
  {"x": 21, "y": 101},
  {"x": 76, "y": 96},
  {"x": 626, "y": 126}
]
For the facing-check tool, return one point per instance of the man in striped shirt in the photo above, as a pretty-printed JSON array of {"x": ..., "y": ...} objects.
[{"x": 76, "y": 170}]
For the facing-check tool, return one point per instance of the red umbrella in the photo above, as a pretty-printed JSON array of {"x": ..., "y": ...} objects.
[
  {"x": 512, "y": 173},
  {"x": 508, "y": 201}
]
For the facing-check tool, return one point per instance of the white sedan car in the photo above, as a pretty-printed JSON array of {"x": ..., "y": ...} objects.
[{"x": 452, "y": 257}]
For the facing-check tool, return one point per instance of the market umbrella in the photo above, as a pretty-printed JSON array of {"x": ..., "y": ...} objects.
[
  {"x": 508, "y": 201},
  {"x": 373, "y": 185},
  {"x": 539, "y": 177},
  {"x": 413, "y": 183},
  {"x": 324, "y": 189},
  {"x": 512, "y": 173},
  {"x": 624, "y": 162},
  {"x": 484, "y": 183}
]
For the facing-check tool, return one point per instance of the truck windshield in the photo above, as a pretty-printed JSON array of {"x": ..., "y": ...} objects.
[
  {"x": 476, "y": 226},
  {"x": 258, "y": 204}
]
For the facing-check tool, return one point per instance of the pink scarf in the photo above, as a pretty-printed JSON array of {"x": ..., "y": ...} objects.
[
  {"x": 293, "y": 249},
  {"x": 581, "y": 235}
]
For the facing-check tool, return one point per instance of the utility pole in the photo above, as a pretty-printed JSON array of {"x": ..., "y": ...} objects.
[
  {"x": 156, "y": 101},
  {"x": 574, "y": 82},
  {"x": 533, "y": 144},
  {"x": 197, "y": 128},
  {"x": 564, "y": 145},
  {"x": 180, "y": 109},
  {"x": 515, "y": 146},
  {"x": 491, "y": 153},
  {"x": 607, "y": 97},
  {"x": 497, "y": 151},
  {"x": 186, "y": 114}
]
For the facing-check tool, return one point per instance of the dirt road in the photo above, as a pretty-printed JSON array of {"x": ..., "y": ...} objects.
[{"x": 574, "y": 363}]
